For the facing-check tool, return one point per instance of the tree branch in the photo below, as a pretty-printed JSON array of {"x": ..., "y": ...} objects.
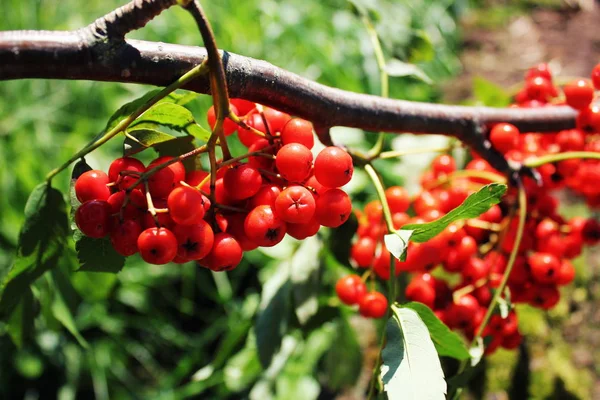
[{"x": 80, "y": 55}]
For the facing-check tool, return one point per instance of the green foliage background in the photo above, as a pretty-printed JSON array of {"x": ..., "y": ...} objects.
[{"x": 178, "y": 331}]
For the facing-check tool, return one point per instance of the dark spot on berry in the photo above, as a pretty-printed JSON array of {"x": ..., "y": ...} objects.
[
  {"x": 189, "y": 245},
  {"x": 550, "y": 272},
  {"x": 556, "y": 177},
  {"x": 272, "y": 234}
]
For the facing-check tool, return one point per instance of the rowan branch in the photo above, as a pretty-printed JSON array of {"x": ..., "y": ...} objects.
[{"x": 80, "y": 55}]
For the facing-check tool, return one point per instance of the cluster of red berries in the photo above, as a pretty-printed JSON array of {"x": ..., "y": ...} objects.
[
  {"x": 352, "y": 290},
  {"x": 579, "y": 175},
  {"x": 169, "y": 217},
  {"x": 477, "y": 250}
]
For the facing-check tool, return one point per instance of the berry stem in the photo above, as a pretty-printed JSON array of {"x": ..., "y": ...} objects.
[
  {"x": 218, "y": 80},
  {"x": 469, "y": 173},
  {"x": 121, "y": 126},
  {"x": 379, "y": 189},
  {"x": 243, "y": 157},
  {"x": 383, "y": 75},
  {"x": 240, "y": 122},
  {"x": 387, "y": 215},
  {"x": 401, "y": 153},
  {"x": 510, "y": 264},
  {"x": 144, "y": 176},
  {"x": 552, "y": 158}
]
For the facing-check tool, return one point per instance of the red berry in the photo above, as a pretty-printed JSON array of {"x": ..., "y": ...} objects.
[
  {"x": 542, "y": 70},
  {"x": 397, "y": 198},
  {"x": 157, "y": 246},
  {"x": 373, "y": 305},
  {"x": 544, "y": 296},
  {"x": 125, "y": 164},
  {"x": 504, "y": 137},
  {"x": 228, "y": 125},
  {"x": 264, "y": 227},
  {"x": 242, "y": 181},
  {"x": 303, "y": 230},
  {"x": 333, "y": 208},
  {"x": 91, "y": 185},
  {"x": 350, "y": 289},
  {"x": 363, "y": 251},
  {"x": 135, "y": 208},
  {"x": 295, "y": 204},
  {"x": 276, "y": 120},
  {"x": 566, "y": 273},
  {"x": 247, "y": 136},
  {"x": 462, "y": 313},
  {"x": 243, "y": 106},
  {"x": 294, "y": 162},
  {"x": 579, "y": 94},
  {"x": 93, "y": 218},
  {"x": 164, "y": 180},
  {"x": 235, "y": 227},
  {"x": 263, "y": 162},
  {"x": 298, "y": 130},
  {"x": 195, "y": 178},
  {"x": 539, "y": 88},
  {"x": 474, "y": 270},
  {"x": 225, "y": 254},
  {"x": 124, "y": 236},
  {"x": 333, "y": 167},
  {"x": 443, "y": 165},
  {"x": 186, "y": 205},
  {"x": 164, "y": 218},
  {"x": 194, "y": 241},
  {"x": 422, "y": 291},
  {"x": 266, "y": 195},
  {"x": 544, "y": 267}
]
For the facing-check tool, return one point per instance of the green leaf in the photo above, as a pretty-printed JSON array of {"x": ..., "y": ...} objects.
[
  {"x": 397, "y": 242},
  {"x": 97, "y": 255},
  {"x": 420, "y": 48},
  {"x": 475, "y": 205},
  {"x": 181, "y": 97},
  {"x": 173, "y": 116},
  {"x": 411, "y": 367},
  {"x": 490, "y": 94},
  {"x": 447, "y": 343},
  {"x": 273, "y": 316},
  {"x": 41, "y": 243},
  {"x": 398, "y": 68},
  {"x": 343, "y": 361},
  {"x": 244, "y": 368},
  {"x": 128, "y": 108},
  {"x": 305, "y": 278},
  {"x": 20, "y": 323},
  {"x": 61, "y": 312}
]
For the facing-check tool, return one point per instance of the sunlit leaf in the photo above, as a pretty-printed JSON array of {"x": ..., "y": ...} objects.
[
  {"x": 399, "y": 68},
  {"x": 474, "y": 205},
  {"x": 411, "y": 367},
  {"x": 447, "y": 343}
]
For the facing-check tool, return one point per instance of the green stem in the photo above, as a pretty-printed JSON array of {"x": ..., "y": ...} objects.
[
  {"x": 509, "y": 266},
  {"x": 387, "y": 214},
  {"x": 121, "y": 126},
  {"x": 401, "y": 153},
  {"x": 552, "y": 158},
  {"x": 383, "y": 75},
  {"x": 218, "y": 79}
]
